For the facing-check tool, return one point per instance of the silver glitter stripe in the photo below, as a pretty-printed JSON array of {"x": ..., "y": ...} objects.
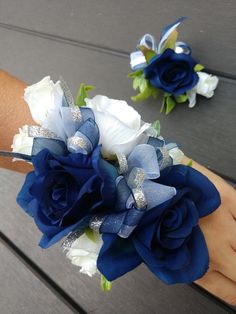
[
  {"x": 166, "y": 158},
  {"x": 75, "y": 144},
  {"x": 76, "y": 114},
  {"x": 96, "y": 222},
  {"x": 67, "y": 93},
  {"x": 67, "y": 243},
  {"x": 136, "y": 177},
  {"x": 140, "y": 198},
  {"x": 38, "y": 131},
  {"x": 123, "y": 164}
]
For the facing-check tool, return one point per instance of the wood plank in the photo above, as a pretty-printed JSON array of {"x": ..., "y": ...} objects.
[
  {"x": 207, "y": 133},
  {"x": 22, "y": 292},
  {"x": 210, "y": 29},
  {"x": 138, "y": 292}
]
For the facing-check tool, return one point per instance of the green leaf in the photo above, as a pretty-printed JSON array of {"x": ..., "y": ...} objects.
[
  {"x": 148, "y": 53},
  {"x": 136, "y": 82},
  {"x": 145, "y": 90},
  {"x": 143, "y": 84},
  {"x": 163, "y": 104},
  {"x": 190, "y": 163},
  {"x": 142, "y": 95},
  {"x": 154, "y": 91},
  {"x": 170, "y": 104},
  {"x": 135, "y": 73},
  {"x": 198, "y": 67},
  {"x": 82, "y": 94},
  {"x": 181, "y": 98},
  {"x": 105, "y": 284},
  {"x": 157, "y": 126},
  {"x": 170, "y": 41},
  {"x": 90, "y": 234}
]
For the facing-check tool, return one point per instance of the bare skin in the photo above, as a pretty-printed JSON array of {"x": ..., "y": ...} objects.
[{"x": 219, "y": 228}]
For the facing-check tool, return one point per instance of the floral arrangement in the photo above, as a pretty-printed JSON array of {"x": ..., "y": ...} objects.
[
  {"x": 169, "y": 69},
  {"x": 110, "y": 187}
]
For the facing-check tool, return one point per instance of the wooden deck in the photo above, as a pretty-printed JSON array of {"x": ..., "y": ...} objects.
[{"x": 89, "y": 41}]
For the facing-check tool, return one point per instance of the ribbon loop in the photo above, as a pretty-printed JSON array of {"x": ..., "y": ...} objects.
[
  {"x": 79, "y": 144},
  {"x": 136, "y": 178},
  {"x": 148, "y": 41},
  {"x": 182, "y": 47}
]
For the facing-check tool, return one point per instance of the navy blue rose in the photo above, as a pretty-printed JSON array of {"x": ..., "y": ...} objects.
[
  {"x": 168, "y": 239},
  {"x": 172, "y": 72},
  {"x": 63, "y": 191}
]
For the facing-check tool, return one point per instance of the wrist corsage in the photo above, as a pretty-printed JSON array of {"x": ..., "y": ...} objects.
[
  {"x": 110, "y": 187},
  {"x": 168, "y": 70}
]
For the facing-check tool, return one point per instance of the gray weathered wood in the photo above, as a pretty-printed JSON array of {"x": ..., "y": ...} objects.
[
  {"x": 138, "y": 292},
  {"x": 207, "y": 133},
  {"x": 22, "y": 292},
  {"x": 118, "y": 25}
]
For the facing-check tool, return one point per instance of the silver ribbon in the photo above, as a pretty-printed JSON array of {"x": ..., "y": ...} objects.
[
  {"x": 67, "y": 93},
  {"x": 76, "y": 114},
  {"x": 96, "y": 222},
  {"x": 67, "y": 243},
  {"x": 38, "y": 131},
  {"x": 77, "y": 144},
  {"x": 123, "y": 164}
]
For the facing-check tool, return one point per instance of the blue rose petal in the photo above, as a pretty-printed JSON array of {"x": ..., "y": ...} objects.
[
  {"x": 172, "y": 72},
  {"x": 117, "y": 257},
  {"x": 167, "y": 239},
  {"x": 64, "y": 191},
  {"x": 202, "y": 190}
]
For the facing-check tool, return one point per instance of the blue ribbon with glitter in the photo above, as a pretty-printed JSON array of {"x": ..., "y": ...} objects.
[
  {"x": 127, "y": 214},
  {"x": 68, "y": 129}
]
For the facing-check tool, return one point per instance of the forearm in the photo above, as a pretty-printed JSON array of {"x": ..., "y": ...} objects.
[{"x": 14, "y": 113}]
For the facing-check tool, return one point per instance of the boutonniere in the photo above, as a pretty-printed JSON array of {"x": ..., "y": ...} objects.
[{"x": 168, "y": 70}]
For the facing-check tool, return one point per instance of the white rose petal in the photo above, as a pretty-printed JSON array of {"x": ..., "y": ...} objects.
[
  {"x": 119, "y": 125},
  {"x": 84, "y": 253},
  {"x": 192, "y": 98},
  {"x": 22, "y": 143},
  {"x": 117, "y": 108},
  {"x": 207, "y": 84},
  {"x": 43, "y": 97}
]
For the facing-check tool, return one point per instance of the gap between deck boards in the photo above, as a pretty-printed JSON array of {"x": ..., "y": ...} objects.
[
  {"x": 56, "y": 289},
  {"x": 41, "y": 275},
  {"x": 90, "y": 46}
]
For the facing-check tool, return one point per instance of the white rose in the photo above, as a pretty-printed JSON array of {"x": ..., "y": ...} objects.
[
  {"x": 43, "y": 97},
  {"x": 22, "y": 143},
  {"x": 206, "y": 85},
  {"x": 120, "y": 126},
  {"x": 84, "y": 253}
]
